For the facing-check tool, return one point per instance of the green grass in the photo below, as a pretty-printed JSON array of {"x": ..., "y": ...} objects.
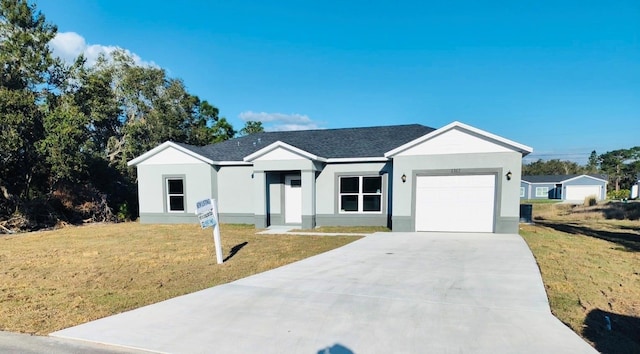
[{"x": 56, "y": 279}]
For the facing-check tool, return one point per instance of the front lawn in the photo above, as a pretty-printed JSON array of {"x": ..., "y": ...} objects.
[
  {"x": 590, "y": 265},
  {"x": 56, "y": 279}
]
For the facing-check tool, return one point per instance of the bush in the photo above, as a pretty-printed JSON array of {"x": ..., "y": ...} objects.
[
  {"x": 621, "y": 194},
  {"x": 590, "y": 200},
  {"x": 123, "y": 212}
]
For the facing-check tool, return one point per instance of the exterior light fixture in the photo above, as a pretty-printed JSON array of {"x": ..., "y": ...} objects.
[
  {"x": 508, "y": 175},
  {"x": 404, "y": 178}
]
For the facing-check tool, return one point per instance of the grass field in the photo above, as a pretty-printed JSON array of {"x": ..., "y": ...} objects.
[
  {"x": 55, "y": 279},
  {"x": 589, "y": 258}
]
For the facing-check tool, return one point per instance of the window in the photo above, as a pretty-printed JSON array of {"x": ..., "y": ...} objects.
[
  {"x": 175, "y": 195},
  {"x": 542, "y": 192},
  {"x": 521, "y": 192},
  {"x": 360, "y": 194}
]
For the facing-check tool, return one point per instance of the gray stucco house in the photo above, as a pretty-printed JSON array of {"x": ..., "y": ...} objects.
[
  {"x": 407, "y": 177},
  {"x": 573, "y": 188}
]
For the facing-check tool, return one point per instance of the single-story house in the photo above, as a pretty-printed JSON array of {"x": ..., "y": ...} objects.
[
  {"x": 635, "y": 188},
  {"x": 408, "y": 177},
  {"x": 573, "y": 188}
]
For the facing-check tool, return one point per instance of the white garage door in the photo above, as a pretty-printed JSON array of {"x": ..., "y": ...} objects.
[
  {"x": 580, "y": 192},
  {"x": 455, "y": 203}
]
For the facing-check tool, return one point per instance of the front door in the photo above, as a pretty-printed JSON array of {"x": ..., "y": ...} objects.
[
  {"x": 292, "y": 199},
  {"x": 558, "y": 191}
]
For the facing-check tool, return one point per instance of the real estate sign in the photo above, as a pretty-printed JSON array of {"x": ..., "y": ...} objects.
[
  {"x": 207, "y": 211},
  {"x": 206, "y": 215}
]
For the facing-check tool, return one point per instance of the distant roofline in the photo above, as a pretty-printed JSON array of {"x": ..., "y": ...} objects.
[{"x": 563, "y": 178}]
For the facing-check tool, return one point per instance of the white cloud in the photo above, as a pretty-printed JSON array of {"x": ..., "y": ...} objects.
[
  {"x": 68, "y": 45},
  {"x": 281, "y": 121}
]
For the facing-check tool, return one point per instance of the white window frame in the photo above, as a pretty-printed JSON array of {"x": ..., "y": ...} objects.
[
  {"x": 542, "y": 192},
  {"x": 169, "y": 195},
  {"x": 360, "y": 195},
  {"x": 521, "y": 192}
]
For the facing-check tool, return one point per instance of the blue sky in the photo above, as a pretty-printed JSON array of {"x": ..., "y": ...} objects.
[{"x": 560, "y": 76}]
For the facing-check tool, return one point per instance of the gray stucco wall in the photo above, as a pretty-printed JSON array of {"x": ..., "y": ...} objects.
[
  {"x": 199, "y": 184},
  {"x": 508, "y": 192},
  {"x": 235, "y": 190}
]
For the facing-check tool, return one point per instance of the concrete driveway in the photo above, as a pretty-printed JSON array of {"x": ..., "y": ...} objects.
[{"x": 386, "y": 293}]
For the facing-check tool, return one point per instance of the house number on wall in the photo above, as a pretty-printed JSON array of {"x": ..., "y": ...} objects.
[{"x": 455, "y": 170}]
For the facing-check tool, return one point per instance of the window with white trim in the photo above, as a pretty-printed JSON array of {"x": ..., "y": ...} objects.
[
  {"x": 175, "y": 195},
  {"x": 521, "y": 192},
  {"x": 360, "y": 194},
  {"x": 542, "y": 191}
]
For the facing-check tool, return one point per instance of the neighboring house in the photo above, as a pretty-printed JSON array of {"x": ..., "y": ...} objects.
[
  {"x": 407, "y": 177},
  {"x": 573, "y": 188},
  {"x": 635, "y": 189}
]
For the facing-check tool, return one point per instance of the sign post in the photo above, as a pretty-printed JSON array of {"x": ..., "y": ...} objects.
[{"x": 207, "y": 211}]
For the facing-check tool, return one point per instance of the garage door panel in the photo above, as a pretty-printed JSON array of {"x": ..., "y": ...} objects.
[
  {"x": 461, "y": 203},
  {"x": 581, "y": 192}
]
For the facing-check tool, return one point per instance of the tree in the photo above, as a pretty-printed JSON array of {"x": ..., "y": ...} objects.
[
  {"x": 592, "y": 164},
  {"x": 68, "y": 130},
  {"x": 613, "y": 163},
  {"x": 205, "y": 125},
  {"x": 24, "y": 54},
  {"x": 622, "y": 166},
  {"x": 154, "y": 108},
  {"x": 551, "y": 167},
  {"x": 251, "y": 127},
  {"x": 64, "y": 146},
  {"x": 25, "y": 61}
]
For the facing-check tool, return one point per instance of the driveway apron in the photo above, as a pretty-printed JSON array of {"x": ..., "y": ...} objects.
[{"x": 386, "y": 293}]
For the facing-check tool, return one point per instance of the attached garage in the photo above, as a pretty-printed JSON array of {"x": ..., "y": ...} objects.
[
  {"x": 579, "y": 193},
  {"x": 455, "y": 203},
  {"x": 457, "y": 179}
]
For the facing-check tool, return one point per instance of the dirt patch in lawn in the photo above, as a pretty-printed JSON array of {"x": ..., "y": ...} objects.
[{"x": 56, "y": 279}]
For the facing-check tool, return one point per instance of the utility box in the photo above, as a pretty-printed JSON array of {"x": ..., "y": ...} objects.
[{"x": 526, "y": 213}]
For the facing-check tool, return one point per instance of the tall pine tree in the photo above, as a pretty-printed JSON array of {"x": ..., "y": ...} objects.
[{"x": 25, "y": 60}]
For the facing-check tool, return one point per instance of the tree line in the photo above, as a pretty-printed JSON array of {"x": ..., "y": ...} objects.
[
  {"x": 68, "y": 129},
  {"x": 621, "y": 166}
]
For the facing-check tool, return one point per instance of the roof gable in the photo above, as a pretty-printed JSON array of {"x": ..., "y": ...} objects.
[
  {"x": 169, "y": 153},
  {"x": 453, "y": 141},
  {"x": 594, "y": 177},
  {"x": 455, "y": 138},
  {"x": 281, "y": 151}
]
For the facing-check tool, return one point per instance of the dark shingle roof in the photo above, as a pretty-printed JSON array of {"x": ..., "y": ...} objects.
[
  {"x": 327, "y": 143},
  {"x": 557, "y": 178}
]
